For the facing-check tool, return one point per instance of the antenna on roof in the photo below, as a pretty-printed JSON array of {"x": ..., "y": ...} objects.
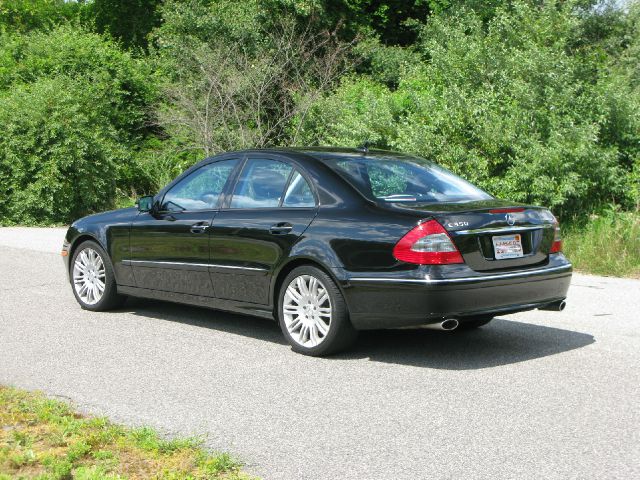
[{"x": 364, "y": 148}]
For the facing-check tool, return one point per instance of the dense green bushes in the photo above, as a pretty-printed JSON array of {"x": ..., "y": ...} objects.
[
  {"x": 536, "y": 102},
  {"x": 59, "y": 152},
  {"x": 73, "y": 109},
  {"x": 511, "y": 104}
]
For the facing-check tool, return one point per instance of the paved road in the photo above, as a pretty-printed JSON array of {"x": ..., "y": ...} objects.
[{"x": 534, "y": 395}]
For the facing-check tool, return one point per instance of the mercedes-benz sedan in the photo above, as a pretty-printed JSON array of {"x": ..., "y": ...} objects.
[{"x": 326, "y": 242}]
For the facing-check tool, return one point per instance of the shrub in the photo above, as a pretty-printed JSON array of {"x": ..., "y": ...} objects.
[
  {"x": 514, "y": 103},
  {"x": 59, "y": 153}
]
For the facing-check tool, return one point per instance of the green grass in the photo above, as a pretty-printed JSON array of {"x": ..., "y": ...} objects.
[
  {"x": 46, "y": 439},
  {"x": 607, "y": 244}
]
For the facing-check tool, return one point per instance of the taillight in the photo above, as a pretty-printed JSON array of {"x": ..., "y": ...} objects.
[
  {"x": 556, "y": 246},
  {"x": 427, "y": 244}
]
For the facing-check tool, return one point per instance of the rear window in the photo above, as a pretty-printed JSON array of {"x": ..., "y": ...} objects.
[{"x": 403, "y": 179}]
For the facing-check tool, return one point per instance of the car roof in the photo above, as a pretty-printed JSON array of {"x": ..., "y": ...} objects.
[{"x": 324, "y": 153}]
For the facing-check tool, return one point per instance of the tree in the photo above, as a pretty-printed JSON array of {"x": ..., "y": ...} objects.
[
  {"x": 129, "y": 21},
  {"x": 26, "y": 15},
  {"x": 228, "y": 97},
  {"x": 514, "y": 104}
]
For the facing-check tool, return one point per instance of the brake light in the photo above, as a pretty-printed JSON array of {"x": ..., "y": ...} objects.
[
  {"x": 427, "y": 244},
  {"x": 556, "y": 246},
  {"x": 507, "y": 210}
]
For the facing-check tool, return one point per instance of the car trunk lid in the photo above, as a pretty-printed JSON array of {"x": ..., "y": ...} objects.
[{"x": 494, "y": 234}]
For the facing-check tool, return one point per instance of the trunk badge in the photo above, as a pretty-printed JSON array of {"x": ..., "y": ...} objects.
[{"x": 510, "y": 219}]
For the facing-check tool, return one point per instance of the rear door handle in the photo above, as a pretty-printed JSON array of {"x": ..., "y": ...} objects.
[
  {"x": 199, "y": 227},
  {"x": 280, "y": 228}
]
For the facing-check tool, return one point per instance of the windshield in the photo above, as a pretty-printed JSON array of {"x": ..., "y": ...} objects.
[{"x": 403, "y": 179}]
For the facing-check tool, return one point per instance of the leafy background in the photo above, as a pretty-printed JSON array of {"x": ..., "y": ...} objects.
[{"x": 535, "y": 101}]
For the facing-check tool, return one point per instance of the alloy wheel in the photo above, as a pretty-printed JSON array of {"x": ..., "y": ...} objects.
[
  {"x": 89, "y": 276},
  {"x": 307, "y": 311}
]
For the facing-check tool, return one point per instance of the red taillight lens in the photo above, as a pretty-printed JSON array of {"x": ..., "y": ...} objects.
[
  {"x": 507, "y": 210},
  {"x": 427, "y": 244},
  {"x": 556, "y": 246}
]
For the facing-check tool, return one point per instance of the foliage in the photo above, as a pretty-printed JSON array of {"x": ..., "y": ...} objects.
[
  {"x": 44, "y": 438},
  {"x": 535, "y": 101},
  {"x": 511, "y": 104},
  {"x": 129, "y": 21},
  {"x": 26, "y": 15},
  {"x": 71, "y": 105},
  {"x": 59, "y": 154},
  {"x": 87, "y": 57},
  {"x": 226, "y": 97},
  {"x": 607, "y": 244}
]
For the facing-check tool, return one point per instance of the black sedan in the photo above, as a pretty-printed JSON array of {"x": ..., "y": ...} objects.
[{"x": 325, "y": 241}]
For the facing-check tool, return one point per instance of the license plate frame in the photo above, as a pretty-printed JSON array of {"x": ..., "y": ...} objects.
[{"x": 506, "y": 247}]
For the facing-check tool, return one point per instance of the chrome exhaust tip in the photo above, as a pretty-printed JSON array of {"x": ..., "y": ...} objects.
[
  {"x": 555, "y": 306},
  {"x": 447, "y": 325}
]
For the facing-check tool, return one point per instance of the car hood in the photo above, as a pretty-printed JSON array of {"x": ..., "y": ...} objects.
[{"x": 112, "y": 216}]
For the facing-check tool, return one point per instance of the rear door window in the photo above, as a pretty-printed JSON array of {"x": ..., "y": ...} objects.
[
  {"x": 261, "y": 184},
  {"x": 298, "y": 193}
]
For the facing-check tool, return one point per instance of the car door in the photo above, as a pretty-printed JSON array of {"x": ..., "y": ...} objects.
[
  {"x": 271, "y": 205},
  {"x": 170, "y": 245}
]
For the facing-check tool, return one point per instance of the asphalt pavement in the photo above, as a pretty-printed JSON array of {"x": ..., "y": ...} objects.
[{"x": 532, "y": 395}]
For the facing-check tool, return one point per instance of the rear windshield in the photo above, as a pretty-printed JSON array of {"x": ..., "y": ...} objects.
[{"x": 407, "y": 179}]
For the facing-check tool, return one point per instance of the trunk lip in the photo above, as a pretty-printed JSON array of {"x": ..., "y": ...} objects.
[
  {"x": 506, "y": 229},
  {"x": 455, "y": 208}
]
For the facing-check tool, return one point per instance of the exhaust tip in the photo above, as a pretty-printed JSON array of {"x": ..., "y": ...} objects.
[
  {"x": 450, "y": 324},
  {"x": 555, "y": 306}
]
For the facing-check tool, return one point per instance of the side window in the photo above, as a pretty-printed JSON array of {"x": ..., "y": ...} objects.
[
  {"x": 298, "y": 193},
  {"x": 261, "y": 184},
  {"x": 201, "y": 190}
]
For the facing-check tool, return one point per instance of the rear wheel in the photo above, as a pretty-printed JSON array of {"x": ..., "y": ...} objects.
[
  {"x": 472, "y": 323},
  {"x": 92, "y": 278},
  {"x": 313, "y": 314}
]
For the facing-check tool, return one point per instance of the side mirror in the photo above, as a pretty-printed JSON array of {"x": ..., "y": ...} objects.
[{"x": 145, "y": 204}]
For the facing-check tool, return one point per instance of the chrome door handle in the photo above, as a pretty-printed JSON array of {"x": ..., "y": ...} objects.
[
  {"x": 199, "y": 227},
  {"x": 280, "y": 228}
]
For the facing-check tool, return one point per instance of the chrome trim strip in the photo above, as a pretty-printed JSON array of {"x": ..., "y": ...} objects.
[
  {"x": 186, "y": 264},
  {"x": 430, "y": 281},
  {"x": 503, "y": 229},
  {"x": 233, "y": 267}
]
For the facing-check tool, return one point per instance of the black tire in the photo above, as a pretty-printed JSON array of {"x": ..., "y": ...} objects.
[
  {"x": 471, "y": 323},
  {"x": 110, "y": 298},
  {"x": 341, "y": 334}
]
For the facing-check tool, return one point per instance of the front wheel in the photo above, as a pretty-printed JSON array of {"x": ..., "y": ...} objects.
[
  {"x": 313, "y": 314},
  {"x": 92, "y": 278}
]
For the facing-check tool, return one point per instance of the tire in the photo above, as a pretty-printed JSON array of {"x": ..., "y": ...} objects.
[
  {"x": 303, "y": 311},
  {"x": 86, "y": 274},
  {"x": 472, "y": 323}
]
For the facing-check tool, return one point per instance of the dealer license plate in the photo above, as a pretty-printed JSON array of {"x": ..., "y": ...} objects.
[{"x": 507, "y": 246}]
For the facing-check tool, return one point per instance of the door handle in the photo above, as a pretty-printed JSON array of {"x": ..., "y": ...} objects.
[
  {"x": 280, "y": 228},
  {"x": 199, "y": 227}
]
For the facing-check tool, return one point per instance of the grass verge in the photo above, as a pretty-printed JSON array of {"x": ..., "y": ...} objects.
[
  {"x": 46, "y": 439},
  {"x": 607, "y": 244}
]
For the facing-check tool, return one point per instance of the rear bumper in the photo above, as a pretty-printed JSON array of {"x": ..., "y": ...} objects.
[{"x": 433, "y": 293}]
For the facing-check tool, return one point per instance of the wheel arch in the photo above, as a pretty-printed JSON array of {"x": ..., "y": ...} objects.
[
  {"x": 82, "y": 237},
  {"x": 291, "y": 265}
]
